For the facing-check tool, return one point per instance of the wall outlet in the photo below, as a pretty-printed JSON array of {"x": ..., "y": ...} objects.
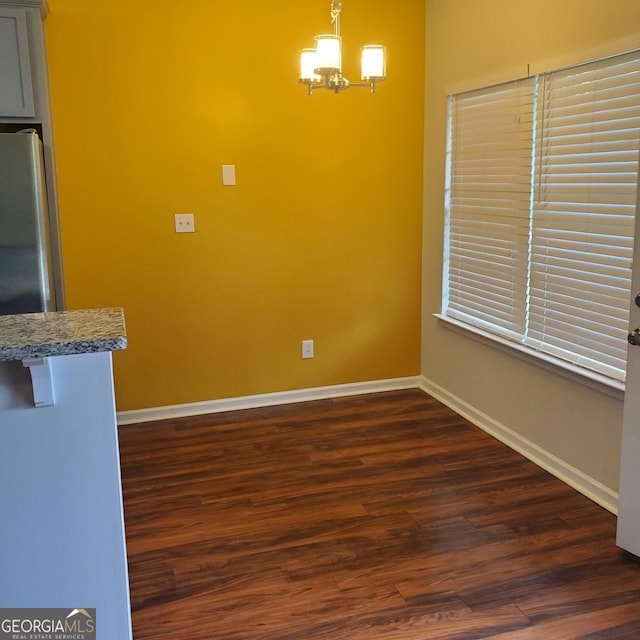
[
  {"x": 307, "y": 349},
  {"x": 185, "y": 223}
]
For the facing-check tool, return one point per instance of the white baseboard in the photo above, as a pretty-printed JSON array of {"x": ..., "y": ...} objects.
[
  {"x": 591, "y": 488},
  {"x": 265, "y": 400}
]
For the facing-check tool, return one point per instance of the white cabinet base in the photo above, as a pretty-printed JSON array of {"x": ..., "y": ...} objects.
[{"x": 62, "y": 541}]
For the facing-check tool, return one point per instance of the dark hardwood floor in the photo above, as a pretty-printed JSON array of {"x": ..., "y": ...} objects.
[{"x": 377, "y": 516}]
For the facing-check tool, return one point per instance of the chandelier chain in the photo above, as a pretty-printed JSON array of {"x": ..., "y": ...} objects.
[{"x": 336, "y": 8}]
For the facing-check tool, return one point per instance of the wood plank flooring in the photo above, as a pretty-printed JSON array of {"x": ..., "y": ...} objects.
[{"x": 376, "y": 516}]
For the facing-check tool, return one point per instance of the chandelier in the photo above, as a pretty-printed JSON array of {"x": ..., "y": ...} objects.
[{"x": 321, "y": 68}]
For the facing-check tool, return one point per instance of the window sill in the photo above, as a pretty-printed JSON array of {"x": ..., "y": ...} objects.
[{"x": 590, "y": 379}]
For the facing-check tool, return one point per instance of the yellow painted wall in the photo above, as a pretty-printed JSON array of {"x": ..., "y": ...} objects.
[
  {"x": 470, "y": 43},
  {"x": 320, "y": 239}
]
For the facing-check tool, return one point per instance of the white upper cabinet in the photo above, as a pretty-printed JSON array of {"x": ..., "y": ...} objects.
[{"x": 16, "y": 87}]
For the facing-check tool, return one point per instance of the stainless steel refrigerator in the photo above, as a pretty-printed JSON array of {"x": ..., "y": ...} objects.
[{"x": 25, "y": 257}]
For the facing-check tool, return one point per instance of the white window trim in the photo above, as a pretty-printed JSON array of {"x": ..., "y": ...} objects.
[{"x": 591, "y": 379}]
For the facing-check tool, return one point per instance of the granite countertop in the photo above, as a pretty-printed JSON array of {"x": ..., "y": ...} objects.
[{"x": 61, "y": 333}]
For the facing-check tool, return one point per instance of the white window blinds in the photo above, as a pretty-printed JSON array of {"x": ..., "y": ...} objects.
[
  {"x": 488, "y": 203},
  {"x": 541, "y": 198}
]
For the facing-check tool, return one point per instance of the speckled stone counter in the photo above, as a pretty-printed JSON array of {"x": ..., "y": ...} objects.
[{"x": 61, "y": 333}]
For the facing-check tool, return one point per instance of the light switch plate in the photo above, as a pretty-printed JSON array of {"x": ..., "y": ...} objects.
[
  {"x": 228, "y": 174},
  {"x": 185, "y": 223},
  {"x": 307, "y": 349}
]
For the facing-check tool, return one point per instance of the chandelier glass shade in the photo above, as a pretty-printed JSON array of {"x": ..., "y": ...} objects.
[{"x": 321, "y": 67}]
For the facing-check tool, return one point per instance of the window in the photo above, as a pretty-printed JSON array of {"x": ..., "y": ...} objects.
[{"x": 542, "y": 176}]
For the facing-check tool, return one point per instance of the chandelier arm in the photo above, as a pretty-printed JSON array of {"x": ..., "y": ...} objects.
[
  {"x": 337, "y": 88},
  {"x": 371, "y": 85}
]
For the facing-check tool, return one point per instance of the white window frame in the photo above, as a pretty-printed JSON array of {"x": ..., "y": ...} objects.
[{"x": 467, "y": 313}]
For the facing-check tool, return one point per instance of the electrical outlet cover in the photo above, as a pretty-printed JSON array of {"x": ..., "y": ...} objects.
[{"x": 185, "y": 223}]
